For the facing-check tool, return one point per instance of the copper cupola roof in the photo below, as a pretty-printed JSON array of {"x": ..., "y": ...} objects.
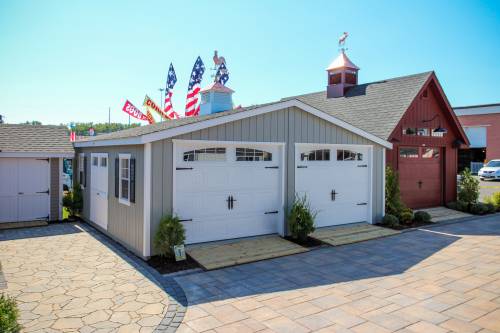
[{"x": 342, "y": 61}]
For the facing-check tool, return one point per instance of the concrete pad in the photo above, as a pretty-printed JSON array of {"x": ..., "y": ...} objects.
[
  {"x": 441, "y": 214},
  {"x": 216, "y": 255},
  {"x": 352, "y": 233}
]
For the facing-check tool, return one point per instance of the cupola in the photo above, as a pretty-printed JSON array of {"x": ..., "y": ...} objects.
[
  {"x": 216, "y": 98},
  {"x": 342, "y": 74}
]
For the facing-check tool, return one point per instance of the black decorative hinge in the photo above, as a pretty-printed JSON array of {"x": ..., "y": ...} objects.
[
  {"x": 301, "y": 166},
  {"x": 273, "y": 212},
  {"x": 183, "y": 168},
  {"x": 363, "y": 166},
  {"x": 47, "y": 192},
  {"x": 186, "y": 220},
  {"x": 272, "y": 167},
  {"x": 362, "y": 204}
]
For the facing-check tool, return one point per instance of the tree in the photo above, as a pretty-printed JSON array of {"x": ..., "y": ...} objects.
[{"x": 100, "y": 128}]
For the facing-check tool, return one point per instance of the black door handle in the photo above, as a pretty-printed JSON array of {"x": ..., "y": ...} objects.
[
  {"x": 333, "y": 194},
  {"x": 228, "y": 202},
  {"x": 232, "y": 202}
]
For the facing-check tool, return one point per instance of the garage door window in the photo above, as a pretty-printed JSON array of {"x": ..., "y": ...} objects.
[
  {"x": 250, "y": 154},
  {"x": 408, "y": 152},
  {"x": 205, "y": 154},
  {"x": 95, "y": 161},
  {"x": 430, "y": 153},
  {"x": 104, "y": 162},
  {"x": 348, "y": 155},
  {"x": 316, "y": 155}
]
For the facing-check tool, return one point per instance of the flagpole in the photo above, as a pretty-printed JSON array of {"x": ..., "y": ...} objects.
[{"x": 161, "y": 102}]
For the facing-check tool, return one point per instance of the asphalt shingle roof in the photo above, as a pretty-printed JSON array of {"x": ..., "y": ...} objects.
[
  {"x": 34, "y": 138},
  {"x": 375, "y": 107}
]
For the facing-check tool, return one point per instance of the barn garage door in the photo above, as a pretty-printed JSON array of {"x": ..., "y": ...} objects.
[
  {"x": 24, "y": 190},
  {"x": 336, "y": 180},
  {"x": 420, "y": 176},
  {"x": 225, "y": 190}
]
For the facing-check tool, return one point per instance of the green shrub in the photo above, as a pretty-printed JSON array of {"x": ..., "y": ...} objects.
[
  {"x": 393, "y": 204},
  {"x": 8, "y": 315},
  {"x": 490, "y": 208},
  {"x": 462, "y": 206},
  {"x": 452, "y": 205},
  {"x": 406, "y": 217},
  {"x": 170, "y": 232},
  {"x": 493, "y": 199},
  {"x": 422, "y": 217},
  {"x": 390, "y": 220},
  {"x": 468, "y": 188},
  {"x": 73, "y": 200},
  {"x": 301, "y": 218},
  {"x": 479, "y": 208}
]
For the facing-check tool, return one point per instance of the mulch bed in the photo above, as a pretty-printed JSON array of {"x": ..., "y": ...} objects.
[
  {"x": 166, "y": 266},
  {"x": 408, "y": 226},
  {"x": 310, "y": 242}
]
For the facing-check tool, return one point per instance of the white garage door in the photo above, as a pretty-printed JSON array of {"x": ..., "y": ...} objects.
[
  {"x": 24, "y": 190},
  {"x": 336, "y": 180},
  {"x": 226, "y": 190}
]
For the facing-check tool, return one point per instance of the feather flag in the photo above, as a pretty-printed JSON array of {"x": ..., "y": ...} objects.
[
  {"x": 150, "y": 105},
  {"x": 192, "y": 109},
  {"x": 133, "y": 111},
  {"x": 150, "y": 117},
  {"x": 222, "y": 75},
  {"x": 171, "y": 80}
]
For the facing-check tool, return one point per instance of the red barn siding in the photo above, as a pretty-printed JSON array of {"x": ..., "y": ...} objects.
[
  {"x": 492, "y": 123},
  {"x": 426, "y": 108}
]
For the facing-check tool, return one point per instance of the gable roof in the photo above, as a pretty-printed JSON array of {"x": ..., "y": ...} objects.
[
  {"x": 41, "y": 139},
  {"x": 373, "y": 108}
]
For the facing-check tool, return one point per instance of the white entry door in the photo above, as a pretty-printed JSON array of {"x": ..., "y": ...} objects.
[
  {"x": 336, "y": 180},
  {"x": 24, "y": 190},
  {"x": 99, "y": 189},
  {"x": 228, "y": 190}
]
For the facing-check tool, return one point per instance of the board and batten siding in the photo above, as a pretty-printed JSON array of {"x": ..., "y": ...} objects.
[
  {"x": 290, "y": 125},
  {"x": 125, "y": 223},
  {"x": 54, "y": 191}
]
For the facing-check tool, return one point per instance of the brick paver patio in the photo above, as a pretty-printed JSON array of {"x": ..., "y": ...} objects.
[
  {"x": 443, "y": 279},
  {"x": 66, "y": 280}
]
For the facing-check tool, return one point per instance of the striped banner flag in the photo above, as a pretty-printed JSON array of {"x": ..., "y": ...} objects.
[
  {"x": 192, "y": 107},
  {"x": 171, "y": 80}
]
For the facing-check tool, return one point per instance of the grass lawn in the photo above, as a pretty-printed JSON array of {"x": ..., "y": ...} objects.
[{"x": 65, "y": 213}]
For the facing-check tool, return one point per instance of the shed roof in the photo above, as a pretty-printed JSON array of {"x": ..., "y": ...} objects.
[
  {"x": 374, "y": 107},
  {"x": 23, "y": 138}
]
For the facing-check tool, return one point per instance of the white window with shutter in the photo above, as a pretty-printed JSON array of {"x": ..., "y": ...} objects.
[{"x": 124, "y": 179}]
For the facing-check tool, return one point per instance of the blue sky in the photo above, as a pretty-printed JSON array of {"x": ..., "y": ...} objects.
[{"x": 63, "y": 61}]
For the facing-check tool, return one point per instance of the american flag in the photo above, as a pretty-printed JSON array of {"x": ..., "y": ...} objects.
[
  {"x": 192, "y": 109},
  {"x": 222, "y": 75},
  {"x": 171, "y": 80}
]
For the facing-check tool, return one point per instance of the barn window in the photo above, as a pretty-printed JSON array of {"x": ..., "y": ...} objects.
[
  {"x": 104, "y": 162},
  {"x": 420, "y": 131},
  {"x": 348, "y": 155},
  {"x": 205, "y": 154},
  {"x": 437, "y": 134},
  {"x": 408, "y": 152},
  {"x": 430, "y": 153},
  {"x": 95, "y": 161},
  {"x": 316, "y": 155},
  {"x": 250, "y": 154}
]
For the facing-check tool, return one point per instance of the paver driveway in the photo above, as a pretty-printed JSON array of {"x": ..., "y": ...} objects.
[
  {"x": 444, "y": 279},
  {"x": 66, "y": 280}
]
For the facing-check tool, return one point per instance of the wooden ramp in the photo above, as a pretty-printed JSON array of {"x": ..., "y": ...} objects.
[
  {"x": 216, "y": 255},
  {"x": 353, "y": 233},
  {"x": 441, "y": 214},
  {"x": 26, "y": 224}
]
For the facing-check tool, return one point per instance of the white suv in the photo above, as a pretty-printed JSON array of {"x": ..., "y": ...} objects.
[{"x": 490, "y": 171}]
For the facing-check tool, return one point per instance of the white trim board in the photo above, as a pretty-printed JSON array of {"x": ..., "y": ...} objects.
[
  {"x": 36, "y": 154},
  {"x": 176, "y": 131},
  {"x": 146, "y": 246}
]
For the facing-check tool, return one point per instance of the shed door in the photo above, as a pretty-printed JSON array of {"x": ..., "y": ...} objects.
[
  {"x": 24, "y": 190},
  {"x": 99, "y": 189},
  {"x": 336, "y": 181},
  {"x": 224, "y": 191},
  {"x": 420, "y": 176}
]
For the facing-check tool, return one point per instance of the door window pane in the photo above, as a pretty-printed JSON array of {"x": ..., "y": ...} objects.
[
  {"x": 348, "y": 155},
  {"x": 205, "y": 154},
  {"x": 104, "y": 161},
  {"x": 430, "y": 153},
  {"x": 95, "y": 161},
  {"x": 249, "y": 154},
  {"x": 316, "y": 155},
  {"x": 408, "y": 152}
]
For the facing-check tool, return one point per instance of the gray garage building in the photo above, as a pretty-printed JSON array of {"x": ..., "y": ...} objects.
[{"x": 231, "y": 174}]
